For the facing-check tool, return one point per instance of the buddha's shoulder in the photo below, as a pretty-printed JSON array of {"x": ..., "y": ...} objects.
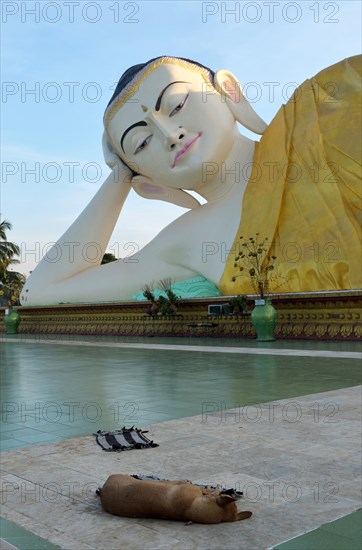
[{"x": 344, "y": 69}]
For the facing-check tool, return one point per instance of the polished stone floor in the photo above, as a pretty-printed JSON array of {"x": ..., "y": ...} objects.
[
  {"x": 55, "y": 389},
  {"x": 61, "y": 389}
]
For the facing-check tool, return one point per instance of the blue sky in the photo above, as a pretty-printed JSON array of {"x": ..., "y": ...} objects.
[{"x": 61, "y": 60}]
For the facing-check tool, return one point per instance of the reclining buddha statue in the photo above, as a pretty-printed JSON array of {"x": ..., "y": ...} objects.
[{"x": 174, "y": 126}]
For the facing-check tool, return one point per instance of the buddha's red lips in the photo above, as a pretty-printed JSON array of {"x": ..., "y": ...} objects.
[{"x": 184, "y": 150}]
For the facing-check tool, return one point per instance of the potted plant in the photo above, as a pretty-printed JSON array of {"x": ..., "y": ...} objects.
[
  {"x": 165, "y": 303},
  {"x": 238, "y": 304},
  {"x": 148, "y": 294},
  {"x": 168, "y": 303},
  {"x": 253, "y": 261},
  {"x": 11, "y": 320}
]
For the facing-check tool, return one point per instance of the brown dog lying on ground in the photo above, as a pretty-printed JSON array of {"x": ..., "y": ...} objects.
[{"x": 123, "y": 495}]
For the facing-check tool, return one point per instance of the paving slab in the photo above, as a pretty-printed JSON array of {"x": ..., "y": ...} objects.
[{"x": 298, "y": 470}]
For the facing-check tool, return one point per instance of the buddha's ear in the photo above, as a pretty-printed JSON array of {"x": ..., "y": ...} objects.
[
  {"x": 230, "y": 89},
  {"x": 147, "y": 189}
]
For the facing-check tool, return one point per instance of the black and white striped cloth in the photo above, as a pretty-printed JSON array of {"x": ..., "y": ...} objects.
[{"x": 124, "y": 439}]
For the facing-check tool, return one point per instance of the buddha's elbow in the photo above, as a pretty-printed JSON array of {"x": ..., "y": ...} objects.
[{"x": 34, "y": 294}]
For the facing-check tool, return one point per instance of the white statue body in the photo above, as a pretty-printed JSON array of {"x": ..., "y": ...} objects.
[
  {"x": 172, "y": 127},
  {"x": 179, "y": 132}
]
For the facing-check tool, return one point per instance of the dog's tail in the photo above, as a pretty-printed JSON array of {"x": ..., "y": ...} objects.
[{"x": 99, "y": 491}]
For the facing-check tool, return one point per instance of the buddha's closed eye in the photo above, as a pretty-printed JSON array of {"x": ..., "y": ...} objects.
[
  {"x": 179, "y": 107},
  {"x": 144, "y": 144}
]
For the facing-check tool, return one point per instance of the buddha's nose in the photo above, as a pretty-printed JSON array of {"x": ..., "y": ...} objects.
[
  {"x": 175, "y": 137},
  {"x": 169, "y": 135}
]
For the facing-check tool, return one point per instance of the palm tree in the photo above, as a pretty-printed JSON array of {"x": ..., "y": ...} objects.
[
  {"x": 11, "y": 282},
  {"x": 7, "y": 249}
]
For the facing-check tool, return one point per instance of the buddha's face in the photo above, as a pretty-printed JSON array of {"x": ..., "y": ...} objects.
[{"x": 186, "y": 124}]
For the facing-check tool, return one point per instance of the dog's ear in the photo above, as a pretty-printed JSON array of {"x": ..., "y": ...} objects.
[
  {"x": 224, "y": 500},
  {"x": 244, "y": 515}
]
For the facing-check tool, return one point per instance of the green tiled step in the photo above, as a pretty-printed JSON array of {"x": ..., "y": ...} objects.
[
  {"x": 343, "y": 534},
  {"x": 21, "y": 538}
]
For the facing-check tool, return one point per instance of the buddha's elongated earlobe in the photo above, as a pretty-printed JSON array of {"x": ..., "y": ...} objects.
[
  {"x": 230, "y": 89},
  {"x": 147, "y": 189}
]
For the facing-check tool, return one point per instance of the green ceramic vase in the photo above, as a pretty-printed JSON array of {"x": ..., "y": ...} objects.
[
  {"x": 264, "y": 318},
  {"x": 11, "y": 321}
]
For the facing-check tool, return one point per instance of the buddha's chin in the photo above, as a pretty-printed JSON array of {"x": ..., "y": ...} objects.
[
  {"x": 186, "y": 174},
  {"x": 186, "y": 180}
]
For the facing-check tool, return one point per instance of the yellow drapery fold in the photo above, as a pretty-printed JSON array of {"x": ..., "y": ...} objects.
[{"x": 304, "y": 191}]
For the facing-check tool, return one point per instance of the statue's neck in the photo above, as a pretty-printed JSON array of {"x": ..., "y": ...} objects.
[{"x": 233, "y": 173}]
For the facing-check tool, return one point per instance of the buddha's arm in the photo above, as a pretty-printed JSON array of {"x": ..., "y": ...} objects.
[
  {"x": 113, "y": 281},
  {"x": 167, "y": 255},
  {"x": 82, "y": 246}
]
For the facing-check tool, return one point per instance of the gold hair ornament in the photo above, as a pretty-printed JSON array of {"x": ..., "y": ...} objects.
[{"x": 130, "y": 90}]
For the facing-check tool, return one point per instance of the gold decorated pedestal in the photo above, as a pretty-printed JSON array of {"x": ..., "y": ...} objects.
[{"x": 317, "y": 316}]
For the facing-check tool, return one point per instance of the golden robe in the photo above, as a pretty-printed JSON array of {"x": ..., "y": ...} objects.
[{"x": 304, "y": 191}]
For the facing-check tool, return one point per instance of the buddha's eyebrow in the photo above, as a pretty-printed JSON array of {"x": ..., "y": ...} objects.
[
  {"x": 140, "y": 123},
  {"x": 159, "y": 99}
]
